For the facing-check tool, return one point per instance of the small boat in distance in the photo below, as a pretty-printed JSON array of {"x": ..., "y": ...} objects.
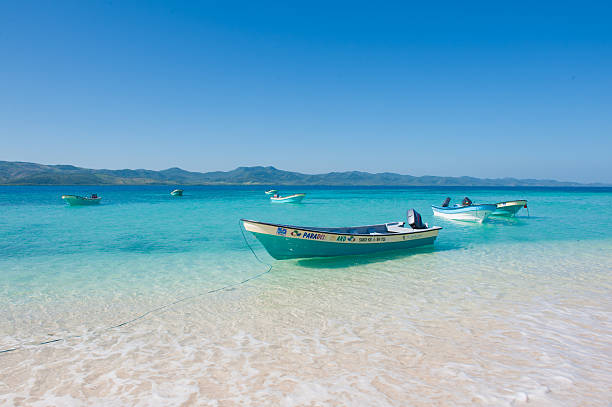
[
  {"x": 76, "y": 200},
  {"x": 293, "y": 242},
  {"x": 467, "y": 211},
  {"x": 177, "y": 192},
  {"x": 271, "y": 192},
  {"x": 295, "y": 198},
  {"x": 509, "y": 208}
]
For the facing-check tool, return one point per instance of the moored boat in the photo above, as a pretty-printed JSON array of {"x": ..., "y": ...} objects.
[
  {"x": 509, "y": 208},
  {"x": 468, "y": 211},
  {"x": 271, "y": 192},
  {"x": 76, "y": 200},
  {"x": 295, "y": 198},
  {"x": 291, "y": 242},
  {"x": 177, "y": 192}
]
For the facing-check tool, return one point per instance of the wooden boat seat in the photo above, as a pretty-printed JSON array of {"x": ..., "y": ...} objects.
[{"x": 397, "y": 228}]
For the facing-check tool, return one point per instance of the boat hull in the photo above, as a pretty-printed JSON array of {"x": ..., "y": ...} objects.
[
  {"x": 74, "y": 200},
  {"x": 472, "y": 213},
  {"x": 509, "y": 208},
  {"x": 177, "y": 192},
  {"x": 297, "y": 198},
  {"x": 290, "y": 242}
]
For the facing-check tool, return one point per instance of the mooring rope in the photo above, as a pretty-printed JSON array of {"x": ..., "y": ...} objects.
[{"x": 141, "y": 316}]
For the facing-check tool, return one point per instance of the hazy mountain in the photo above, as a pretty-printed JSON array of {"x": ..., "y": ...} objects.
[{"x": 23, "y": 173}]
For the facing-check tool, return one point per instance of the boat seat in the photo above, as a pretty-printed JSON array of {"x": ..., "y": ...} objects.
[{"x": 397, "y": 227}]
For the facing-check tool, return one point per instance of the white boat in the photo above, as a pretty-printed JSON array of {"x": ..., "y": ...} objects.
[
  {"x": 295, "y": 198},
  {"x": 509, "y": 208},
  {"x": 271, "y": 192}
]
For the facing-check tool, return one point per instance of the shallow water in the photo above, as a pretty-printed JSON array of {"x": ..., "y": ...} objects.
[{"x": 504, "y": 313}]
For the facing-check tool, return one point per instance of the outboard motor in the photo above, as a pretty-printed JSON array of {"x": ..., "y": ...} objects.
[
  {"x": 414, "y": 220},
  {"x": 466, "y": 201},
  {"x": 446, "y": 202}
]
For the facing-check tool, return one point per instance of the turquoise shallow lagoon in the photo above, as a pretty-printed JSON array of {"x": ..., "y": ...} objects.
[{"x": 507, "y": 312}]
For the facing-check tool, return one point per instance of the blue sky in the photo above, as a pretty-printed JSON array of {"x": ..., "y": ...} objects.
[{"x": 487, "y": 89}]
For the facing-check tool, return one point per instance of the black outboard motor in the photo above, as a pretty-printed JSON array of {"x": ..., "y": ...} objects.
[
  {"x": 446, "y": 202},
  {"x": 466, "y": 201},
  {"x": 414, "y": 220}
]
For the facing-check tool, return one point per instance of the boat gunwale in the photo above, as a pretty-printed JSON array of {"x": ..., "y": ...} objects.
[
  {"x": 311, "y": 229},
  {"x": 512, "y": 203}
]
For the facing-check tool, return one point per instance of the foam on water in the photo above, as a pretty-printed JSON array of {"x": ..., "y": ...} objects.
[{"x": 508, "y": 313}]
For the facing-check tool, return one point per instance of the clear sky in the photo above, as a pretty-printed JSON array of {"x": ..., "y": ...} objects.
[{"x": 488, "y": 89}]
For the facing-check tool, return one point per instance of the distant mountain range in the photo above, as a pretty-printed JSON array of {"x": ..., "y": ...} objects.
[{"x": 24, "y": 173}]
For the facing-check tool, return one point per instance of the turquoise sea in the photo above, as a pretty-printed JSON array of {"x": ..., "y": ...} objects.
[{"x": 508, "y": 312}]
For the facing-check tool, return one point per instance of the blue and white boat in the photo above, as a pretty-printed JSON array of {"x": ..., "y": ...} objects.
[
  {"x": 291, "y": 242},
  {"x": 295, "y": 198},
  {"x": 467, "y": 211}
]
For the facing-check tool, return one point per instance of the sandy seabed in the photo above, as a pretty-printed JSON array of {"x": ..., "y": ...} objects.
[{"x": 418, "y": 330}]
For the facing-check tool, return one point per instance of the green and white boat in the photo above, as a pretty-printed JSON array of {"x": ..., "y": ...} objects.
[
  {"x": 292, "y": 242},
  {"x": 76, "y": 200},
  {"x": 177, "y": 192},
  {"x": 509, "y": 208}
]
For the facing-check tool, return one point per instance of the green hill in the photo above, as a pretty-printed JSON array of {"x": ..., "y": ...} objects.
[{"x": 24, "y": 173}]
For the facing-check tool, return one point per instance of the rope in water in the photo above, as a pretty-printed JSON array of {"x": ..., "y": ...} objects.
[{"x": 141, "y": 316}]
